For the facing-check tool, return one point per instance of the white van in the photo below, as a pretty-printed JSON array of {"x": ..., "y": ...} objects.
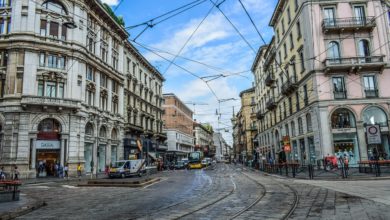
[{"x": 124, "y": 168}]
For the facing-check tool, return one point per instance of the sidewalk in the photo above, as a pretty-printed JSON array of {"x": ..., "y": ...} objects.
[{"x": 11, "y": 210}]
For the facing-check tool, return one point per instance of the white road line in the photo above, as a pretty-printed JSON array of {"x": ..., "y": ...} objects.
[{"x": 162, "y": 179}]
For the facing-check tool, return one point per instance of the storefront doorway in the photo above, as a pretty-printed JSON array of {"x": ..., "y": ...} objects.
[
  {"x": 101, "y": 158},
  {"x": 48, "y": 147}
]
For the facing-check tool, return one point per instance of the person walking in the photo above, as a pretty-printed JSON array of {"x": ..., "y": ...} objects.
[
  {"x": 79, "y": 171},
  {"x": 66, "y": 171},
  {"x": 2, "y": 174},
  {"x": 16, "y": 173}
]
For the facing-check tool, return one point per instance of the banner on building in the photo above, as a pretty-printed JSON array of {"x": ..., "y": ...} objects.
[
  {"x": 139, "y": 145},
  {"x": 286, "y": 144},
  {"x": 373, "y": 134}
]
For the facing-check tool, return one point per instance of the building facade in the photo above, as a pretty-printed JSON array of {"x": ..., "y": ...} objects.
[
  {"x": 66, "y": 68},
  {"x": 245, "y": 127},
  {"x": 178, "y": 126},
  {"x": 223, "y": 150},
  {"x": 321, "y": 81},
  {"x": 203, "y": 137}
]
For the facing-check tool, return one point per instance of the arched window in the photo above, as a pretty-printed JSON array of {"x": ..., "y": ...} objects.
[
  {"x": 300, "y": 125},
  {"x": 364, "y": 48},
  {"x": 292, "y": 128},
  {"x": 343, "y": 118},
  {"x": 102, "y": 132},
  {"x": 49, "y": 125},
  {"x": 89, "y": 129},
  {"x": 55, "y": 6},
  {"x": 114, "y": 135},
  {"x": 334, "y": 50},
  {"x": 308, "y": 123},
  {"x": 374, "y": 115}
]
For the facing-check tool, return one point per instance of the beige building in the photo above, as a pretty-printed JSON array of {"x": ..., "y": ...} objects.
[
  {"x": 244, "y": 126},
  {"x": 73, "y": 89}
]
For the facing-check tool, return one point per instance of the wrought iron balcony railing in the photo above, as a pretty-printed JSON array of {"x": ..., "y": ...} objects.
[
  {"x": 374, "y": 63},
  {"x": 371, "y": 93},
  {"x": 271, "y": 104},
  {"x": 340, "y": 94},
  {"x": 345, "y": 24}
]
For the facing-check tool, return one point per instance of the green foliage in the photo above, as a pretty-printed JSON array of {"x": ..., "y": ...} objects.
[
  {"x": 209, "y": 127},
  {"x": 118, "y": 19}
]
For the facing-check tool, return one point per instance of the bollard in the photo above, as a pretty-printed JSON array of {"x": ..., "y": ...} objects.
[{"x": 311, "y": 171}]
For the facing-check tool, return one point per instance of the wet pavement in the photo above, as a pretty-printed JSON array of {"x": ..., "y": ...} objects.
[{"x": 226, "y": 192}]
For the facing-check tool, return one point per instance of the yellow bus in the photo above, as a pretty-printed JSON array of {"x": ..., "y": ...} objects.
[{"x": 195, "y": 160}]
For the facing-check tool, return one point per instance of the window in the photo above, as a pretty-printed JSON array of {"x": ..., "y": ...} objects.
[
  {"x": 90, "y": 75},
  {"x": 52, "y": 61},
  {"x": 285, "y": 50},
  {"x": 90, "y": 97},
  {"x": 102, "y": 132},
  {"x": 305, "y": 95},
  {"x": 114, "y": 86},
  {"x": 43, "y": 27},
  {"x": 329, "y": 18},
  {"x": 343, "y": 118},
  {"x": 370, "y": 87},
  {"x": 287, "y": 130},
  {"x": 54, "y": 6},
  {"x": 374, "y": 116},
  {"x": 5, "y": 25},
  {"x": 364, "y": 51},
  {"x": 89, "y": 129},
  {"x": 42, "y": 58},
  {"x": 5, "y": 3},
  {"x": 296, "y": 4},
  {"x": 334, "y": 52},
  {"x": 297, "y": 101},
  {"x": 360, "y": 15},
  {"x": 64, "y": 31},
  {"x": 282, "y": 23},
  {"x": 103, "y": 101},
  {"x": 103, "y": 80},
  {"x": 308, "y": 123},
  {"x": 290, "y": 105},
  {"x": 51, "y": 89},
  {"x": 292, "y": 129},
  {"x": 252, "y": 100},
  {"x": 299, "y": 30},
  {"x": 339, "y": 88},
  {"x": 301, "y": 56},
  {"x": 54, "y": 29},
  {"x": 300, "y": 126},
  {"x": 277, "y": 35},
  {"x": 291, "y": 41},
  {"x": 288, "y": 15}
]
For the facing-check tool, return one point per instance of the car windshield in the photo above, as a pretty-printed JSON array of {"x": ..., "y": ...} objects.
[
  {"x": 118, "y": 164},
  {"x": 180, "y": 163}
]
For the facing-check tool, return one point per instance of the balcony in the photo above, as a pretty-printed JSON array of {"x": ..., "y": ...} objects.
[
  {"x": 371, "y": 93},
  {"x": 354, "y": 64},
  {"x": 289, "y": 87},
  {"x": 269, "y": 80},
  {"x": 46, "y": 102},
  {"x": 271, "y": 104},
  {"x": 340, "y": 94},
  {"x": 348, "y": 24},
  {"x": 269, "y": 58},
  {"x": 260, "y": 115}
]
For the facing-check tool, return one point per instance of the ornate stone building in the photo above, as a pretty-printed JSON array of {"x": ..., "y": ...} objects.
[{"x": 73, "y": 89}]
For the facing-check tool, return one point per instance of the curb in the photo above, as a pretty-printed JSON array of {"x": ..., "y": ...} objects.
[
  {"x": 135, "y": 184},
  {"x": 22, "y": 210}
]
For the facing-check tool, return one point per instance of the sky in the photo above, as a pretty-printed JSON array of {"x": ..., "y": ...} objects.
[{"x": 206, "y": 45}]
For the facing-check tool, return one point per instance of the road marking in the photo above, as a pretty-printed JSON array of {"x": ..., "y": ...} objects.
[
  {"x": 69, "y": 186},
  {"x": 162, "y": 179}
]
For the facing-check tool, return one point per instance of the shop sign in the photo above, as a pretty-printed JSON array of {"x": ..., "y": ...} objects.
[
  {"x": 373, "y": 134},
  {"x": 286, "y": 144},
  {"x": 40, "y": 144}
]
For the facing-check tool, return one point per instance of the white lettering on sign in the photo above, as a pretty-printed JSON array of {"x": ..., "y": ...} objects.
[{"x": 47, "y": 144}]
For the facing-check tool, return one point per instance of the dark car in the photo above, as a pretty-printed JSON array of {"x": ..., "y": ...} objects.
[{"x": 180, "y": 165}]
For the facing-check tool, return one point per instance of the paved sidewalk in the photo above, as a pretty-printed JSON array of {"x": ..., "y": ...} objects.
[{"x": 26, "y": 204}]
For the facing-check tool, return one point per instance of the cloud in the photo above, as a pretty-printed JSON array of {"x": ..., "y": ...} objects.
[{"x": 111, "y": 2}]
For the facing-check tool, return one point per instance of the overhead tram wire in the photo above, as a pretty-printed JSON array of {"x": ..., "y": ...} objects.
[
  {"x": 189, "y": 38},
  {"x": 180, "y": 67},
  {"x": 234, "y": 27}
]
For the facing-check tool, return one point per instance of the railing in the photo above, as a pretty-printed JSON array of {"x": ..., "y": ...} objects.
[
  {"x": 40, "y": 100},
  {"x": 371, "y": 93},
  {"x": 353, "y": 60},
  {"x": 269, "y": 80},
  {"x": 343, "y": 23},
  {"x": 260, "y": 115},
  {"x": 271, "y": 104},
  {"x": 289, "y": 86},
  {"x": 340, "y": 94}
]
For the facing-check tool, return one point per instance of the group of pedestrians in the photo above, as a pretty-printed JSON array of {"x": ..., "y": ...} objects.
[{"x": 15, "y": 172}]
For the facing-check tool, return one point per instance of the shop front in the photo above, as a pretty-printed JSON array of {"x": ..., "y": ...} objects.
[
  {"x": 131, "y": 150},
  {"x": 88, "y": 147},
  {"x": 376, "y": 116},
  {"x": 345, "y": 140},
  {"x": 48, "y": 147},
  {"x": 101, "y": 157}
]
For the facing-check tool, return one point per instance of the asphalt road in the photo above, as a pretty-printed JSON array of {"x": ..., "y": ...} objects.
[{"x": 226, "y": 192}]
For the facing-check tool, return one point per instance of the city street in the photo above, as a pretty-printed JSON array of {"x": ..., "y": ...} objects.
[{"x": 225, "y": 192}]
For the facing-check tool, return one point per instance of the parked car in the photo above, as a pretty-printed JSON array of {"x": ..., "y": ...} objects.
[
  {"x": 185, "y": 160},
  {"x": 204, "y": 163},
  {"x": 180, "y": 165}
]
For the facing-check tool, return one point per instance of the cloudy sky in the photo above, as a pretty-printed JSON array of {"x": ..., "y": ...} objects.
[{"x": 206, "y": 45}]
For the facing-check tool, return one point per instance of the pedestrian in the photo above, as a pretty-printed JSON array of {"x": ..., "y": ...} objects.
[
  {"x": 16, "y": 173},
  {"x": 60, "y": 171},
  {"x": 56, "y": 169},
  {"x": 66, "y": 171},
  {"x": 2, "y": 174},
  {"x": 79, "y": 171}
]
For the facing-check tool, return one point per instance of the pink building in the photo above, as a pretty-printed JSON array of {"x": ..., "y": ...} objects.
[{"x": 340, "y": 84}]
